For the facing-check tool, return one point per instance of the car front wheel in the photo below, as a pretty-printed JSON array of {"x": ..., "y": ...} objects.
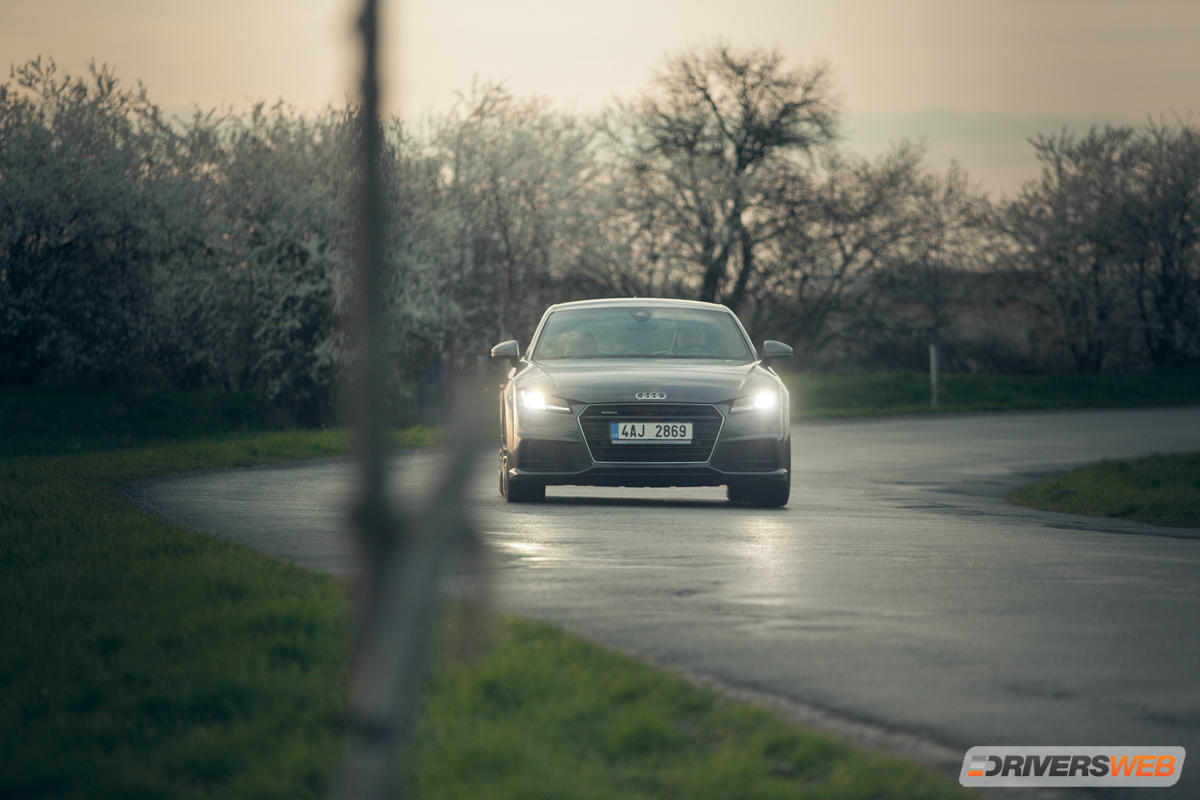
[
  {"x": 766, "y": 493},
  {"x": 520, "y": 490}
]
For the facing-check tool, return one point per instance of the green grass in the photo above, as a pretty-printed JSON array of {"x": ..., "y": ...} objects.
[
  {"x": 1161, "y": 490},
  {"x": 818, "y": 395},
  {"x": 546, "y": 715},
  {"x": 140, "y": 659}
]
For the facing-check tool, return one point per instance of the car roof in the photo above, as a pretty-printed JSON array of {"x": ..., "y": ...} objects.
[{"x": 667, "y": 302}]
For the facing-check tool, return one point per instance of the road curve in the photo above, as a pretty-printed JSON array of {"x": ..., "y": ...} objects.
[{"x": 898, "y": 593}]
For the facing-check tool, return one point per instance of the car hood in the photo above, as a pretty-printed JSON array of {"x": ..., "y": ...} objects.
[{"x": 617, "y": 380}]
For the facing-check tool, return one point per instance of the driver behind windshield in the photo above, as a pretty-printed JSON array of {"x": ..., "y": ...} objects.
[
  {"x": 689, "y": 340},
  {"x": 575, "y": 344}
]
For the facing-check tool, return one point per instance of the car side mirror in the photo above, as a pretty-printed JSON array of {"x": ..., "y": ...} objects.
[
  {"x": 510, "y": 350},
  {"x": 772, "y": 350}
]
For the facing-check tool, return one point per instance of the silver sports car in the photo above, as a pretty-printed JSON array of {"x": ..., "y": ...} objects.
[{"x": 638, "y": 392}]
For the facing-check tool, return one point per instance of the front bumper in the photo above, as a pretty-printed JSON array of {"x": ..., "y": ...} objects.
[
  {"x": 644, "y": 476},
  {"x": 560, "y": 448}
]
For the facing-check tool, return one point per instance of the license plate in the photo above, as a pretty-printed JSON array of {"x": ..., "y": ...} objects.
[{"x": 650, "y": 432}]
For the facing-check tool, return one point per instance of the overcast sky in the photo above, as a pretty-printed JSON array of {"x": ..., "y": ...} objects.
[{"x": 973, "y": 79}]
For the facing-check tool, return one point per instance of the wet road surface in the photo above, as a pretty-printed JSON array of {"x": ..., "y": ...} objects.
[{"x": 898, "y": 600}]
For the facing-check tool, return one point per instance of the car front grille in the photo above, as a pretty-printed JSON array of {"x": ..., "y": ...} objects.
[{"x": 705, "y": 419}]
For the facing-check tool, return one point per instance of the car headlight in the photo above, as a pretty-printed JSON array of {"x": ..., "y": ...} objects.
[
  {"x": 761, "y": 401},
  {"x": 534, "y": 400}
]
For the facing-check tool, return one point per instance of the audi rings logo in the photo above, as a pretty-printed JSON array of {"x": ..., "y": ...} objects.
[{"x": 651, "y": 395}]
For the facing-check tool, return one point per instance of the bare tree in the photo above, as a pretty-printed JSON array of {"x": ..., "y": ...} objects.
[
  {"x": 1065, "y": 227},
  {"x": 837, "y": 231},
  {"x": 926, "y": 277},
  {"x": 1162, "y": 245},
  {"x": 707, "y": 151}
]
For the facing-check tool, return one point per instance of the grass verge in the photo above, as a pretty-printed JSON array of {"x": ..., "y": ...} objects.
[
  {"x": 820, "y": 395},
  {"x": 1161, "y": 490},
  {"x": 140, "y": 659}
]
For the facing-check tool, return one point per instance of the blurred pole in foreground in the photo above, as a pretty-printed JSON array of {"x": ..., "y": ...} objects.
[
  {"x": 402, "y": 555},
  {"x": 935, "y": 376}
]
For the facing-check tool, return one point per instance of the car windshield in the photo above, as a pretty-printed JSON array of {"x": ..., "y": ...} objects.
[{"x": 642, "y": 332}]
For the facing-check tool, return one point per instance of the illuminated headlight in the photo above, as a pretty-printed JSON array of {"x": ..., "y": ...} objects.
[
  {"x": 762, "y": 401},
  {"x": 533, "y": 400}
]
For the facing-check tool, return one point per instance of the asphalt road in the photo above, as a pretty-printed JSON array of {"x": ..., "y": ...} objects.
[{"x": 898, "y": 599}]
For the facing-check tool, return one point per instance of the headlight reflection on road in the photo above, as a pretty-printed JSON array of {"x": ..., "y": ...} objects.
[
  {"x": 761, "y": 542},
  {"x": 529, "y": 552}
]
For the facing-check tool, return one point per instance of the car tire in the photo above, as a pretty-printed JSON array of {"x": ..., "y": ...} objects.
[
  {"x": 766, "y": 493},
  {"x": 525, "y": 491},
  {"x": 516, "y": 490},
  {"x": 770, "y": 494}
]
